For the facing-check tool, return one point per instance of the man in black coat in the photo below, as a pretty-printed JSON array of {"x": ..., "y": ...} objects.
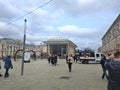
[
  {"x": 113, "y": 67},
  {"x": 102, "y": 62}
]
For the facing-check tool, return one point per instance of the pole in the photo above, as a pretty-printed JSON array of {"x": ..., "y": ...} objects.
[{"x": 24, "y": 39}]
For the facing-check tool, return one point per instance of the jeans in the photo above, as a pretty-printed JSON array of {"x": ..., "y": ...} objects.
[
  {"x": 69, "y": 66},
  {"x": 104, "y": 73},
  {"x": 6, "y": 72}
]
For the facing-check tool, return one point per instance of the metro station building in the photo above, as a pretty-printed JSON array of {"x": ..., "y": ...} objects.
[{"x": 61, "y": 47}]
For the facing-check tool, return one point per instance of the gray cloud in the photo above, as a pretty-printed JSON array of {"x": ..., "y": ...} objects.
[
  {"x": 10, "y": 32},
  {"x": 48, "y": 22},
  {"x": 76, "y": 8},
  {"x": 8, "y": 12},
  {"x": 74, "y": 31}
]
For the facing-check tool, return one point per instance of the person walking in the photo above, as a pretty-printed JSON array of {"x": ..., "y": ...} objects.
[
  {"x": 7, "y": 66},
  {"x": 66, "y": 58},
  {"x": 86, "y": 58},
  {"x": 113, "y": 67},
  {"x": 75, "y": 58},
  {"x": 52, "y": 59},
  {"x": 49, "y": 58},
  {"x": 70, "y": 60},
  {"x": 102, "y": 62},
  {"x": 55, "y": 60},
  {"x": 0, "y": 68}
]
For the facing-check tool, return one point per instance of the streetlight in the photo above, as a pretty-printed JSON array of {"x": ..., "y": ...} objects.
[{"x": 24, "y": 39}]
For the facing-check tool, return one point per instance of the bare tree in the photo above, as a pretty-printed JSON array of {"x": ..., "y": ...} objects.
[{"x": 88, "y": 50}]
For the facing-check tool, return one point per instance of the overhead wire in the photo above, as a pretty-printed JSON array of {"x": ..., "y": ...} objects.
[{"x": 30, "y": 12}]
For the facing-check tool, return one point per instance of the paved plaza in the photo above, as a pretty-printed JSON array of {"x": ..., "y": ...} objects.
[{"x": 39, "y": 75}]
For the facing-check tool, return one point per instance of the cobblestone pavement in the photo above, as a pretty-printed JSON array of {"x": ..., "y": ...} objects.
[{"x": 39, "y": 75}]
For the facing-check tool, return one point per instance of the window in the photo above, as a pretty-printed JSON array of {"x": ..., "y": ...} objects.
[{"x": 97, "y": 55}]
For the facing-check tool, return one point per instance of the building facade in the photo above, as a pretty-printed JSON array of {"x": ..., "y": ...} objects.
[
  {"x": 61, "y": 47},
  {"x": 111, "y": 39},
  {"x": 11, "y": 46}
]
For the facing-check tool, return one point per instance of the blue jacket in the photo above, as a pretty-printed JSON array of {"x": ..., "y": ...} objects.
[
  {"x": 8, "y": 63},
  {"x": 114, "y": 74}
]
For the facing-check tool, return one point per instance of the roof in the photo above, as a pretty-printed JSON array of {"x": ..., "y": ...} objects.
[{"x": 59, "y": 41}]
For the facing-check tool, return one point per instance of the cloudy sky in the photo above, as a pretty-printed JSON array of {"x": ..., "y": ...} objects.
[{"x": 82, "y": 21}]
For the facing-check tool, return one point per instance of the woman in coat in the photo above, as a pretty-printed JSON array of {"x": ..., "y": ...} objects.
[{"x": 69, "y": 61}]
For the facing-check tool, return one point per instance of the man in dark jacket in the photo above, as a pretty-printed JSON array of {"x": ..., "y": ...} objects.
[
  {"x": 102, "y": 62},
  {"x": 55, "y": 60},
  {"x": 113, "y": 67},
  {"x": 0, "y": 68},
  {"x": 7, "y": 65}
]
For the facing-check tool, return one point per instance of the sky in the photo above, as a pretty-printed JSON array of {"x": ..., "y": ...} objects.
[{"x": 84, "y": 22}]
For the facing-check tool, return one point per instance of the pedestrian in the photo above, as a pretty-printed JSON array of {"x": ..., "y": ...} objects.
[
  {"x": 41, "y": 56},
  {"x": 7, "y": 65},
  {"x": 0, "y": 67},
  {"x": 75, "y": 58},
  {"x": 113, "y": 67},
  {"x": 70, "y": 60},
  {"x": 102, "y": 62},
  {"x": 55, "y": 60},
  {"x": 49, "y": 58},
  {"x": 52, "y": 59},
  {"x": 66, "y": 58},
  {"x": 34, "y": 56},
  {"x": 86, "y": 58}
]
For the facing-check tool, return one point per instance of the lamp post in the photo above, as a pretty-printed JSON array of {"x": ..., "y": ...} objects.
[{"x": 24, "y": 39}]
